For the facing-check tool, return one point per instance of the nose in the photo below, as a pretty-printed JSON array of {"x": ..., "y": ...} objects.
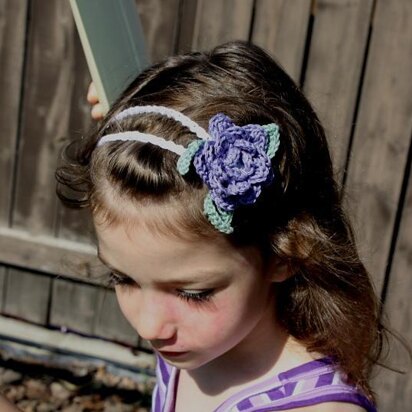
[{"x": 153, "y": 318}]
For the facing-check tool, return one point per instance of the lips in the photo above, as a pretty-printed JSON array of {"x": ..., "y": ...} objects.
[{"x": 168, "y": 354}]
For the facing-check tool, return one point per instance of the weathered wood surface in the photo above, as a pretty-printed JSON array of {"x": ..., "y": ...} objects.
[
  {"x": 186, "y": 25},
  {"x": 110, "y": 322},
  {"x": 280, "y": 27},
  {"x": 46, "y": 343},
  {"x": 333, "y": 75},
  {"x": 73, "y": 224},
  {"x": 89, "y": 310},
  {"x": 73, "y": 305},
  {"x": 45, "y": 114},
  {"x": 382, "y": 135},
  {"x": 13, "y": 16},
  {"x": 160, "y": 21},
  {"x": 46, "y": 91},
  {"x": 49, "y": 255},
  {"x": 219, "y": 21},
  {"x": 2, "y": 286},
  {"x": 27, "y": 296},
  {"x": 395, "y": 390}
]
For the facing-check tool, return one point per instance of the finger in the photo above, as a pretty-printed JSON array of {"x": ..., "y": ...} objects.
[
  {"x": 97, "y": 111},
  {"x": 92, "y": 96}
]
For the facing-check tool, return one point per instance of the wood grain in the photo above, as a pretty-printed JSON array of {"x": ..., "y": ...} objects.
[
  {"x": 89, "y": 310},
  {"x": 74, "y": 224},
  {"x": 220, "y": 21},
  {"x": 46, "y": 113},
  {"x": 186, "y": 26},
  {"x": 395, "y": 390},
  {"x": 160, "y": 25},
  {"x": 73, "y": 306},
  {"x": 13, "y": 16},
  {"x": 280, "y": 27},
  {"x": 110, "y": 322},
  {"x": 49, "y": 255},
  {"x": 333, "y": 74},
  {"x": 382, "y": 135},
  {"x": 27, "y": 296},
  {"x": 2, "y": 286},
  {"x": 60, "y": 349}
]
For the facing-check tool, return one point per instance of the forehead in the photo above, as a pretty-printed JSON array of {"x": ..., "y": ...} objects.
[
  {"x": 180, "y": 214},
  {"x": 140, "y": 252}
]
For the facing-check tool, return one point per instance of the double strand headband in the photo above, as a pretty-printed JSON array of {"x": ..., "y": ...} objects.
[{"x": 233, "y": 161}]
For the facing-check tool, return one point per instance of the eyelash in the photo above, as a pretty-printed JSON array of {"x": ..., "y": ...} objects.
[
  {"x": 115, "y": 279},
  {"x": 201, "y": 297}
]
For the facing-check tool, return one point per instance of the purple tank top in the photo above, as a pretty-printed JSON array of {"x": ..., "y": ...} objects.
[{"x": 308, "y": 384}]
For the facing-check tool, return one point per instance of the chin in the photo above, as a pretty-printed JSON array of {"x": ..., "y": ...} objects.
[{"x": 189, "y": 362}]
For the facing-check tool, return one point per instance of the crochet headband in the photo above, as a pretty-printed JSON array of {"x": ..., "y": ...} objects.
[{"x": 233, "y": 161}]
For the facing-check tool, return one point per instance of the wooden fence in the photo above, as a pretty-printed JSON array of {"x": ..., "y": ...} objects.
[{"x": 353, "y": 59}]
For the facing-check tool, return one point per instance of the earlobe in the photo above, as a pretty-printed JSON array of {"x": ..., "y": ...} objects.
[{"x": 279, "y": 270}]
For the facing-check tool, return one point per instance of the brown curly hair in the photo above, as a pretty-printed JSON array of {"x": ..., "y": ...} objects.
[{"x": 329, "y": 303}]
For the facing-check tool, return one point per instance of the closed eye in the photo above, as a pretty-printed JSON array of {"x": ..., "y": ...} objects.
[{"x": 197, "y": 296}]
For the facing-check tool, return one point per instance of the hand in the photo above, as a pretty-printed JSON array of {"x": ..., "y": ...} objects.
[{"x": 93, "y": 99}]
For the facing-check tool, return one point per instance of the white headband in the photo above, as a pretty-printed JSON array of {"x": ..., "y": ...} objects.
[{"x": 149, "y": 138}]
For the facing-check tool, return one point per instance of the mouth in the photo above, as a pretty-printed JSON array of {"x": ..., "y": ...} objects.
[{"x": 167, "y": 354}]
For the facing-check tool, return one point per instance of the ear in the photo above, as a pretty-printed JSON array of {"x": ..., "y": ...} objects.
[{"x": 278, "y": 270}]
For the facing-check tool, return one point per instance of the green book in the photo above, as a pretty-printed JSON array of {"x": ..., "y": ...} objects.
[{"x": 113, "y": 42}]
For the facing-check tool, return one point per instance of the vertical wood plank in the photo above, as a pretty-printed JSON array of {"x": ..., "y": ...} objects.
[
  {"x": 46, "y": 109},
  {"x": 395, "y": 390},
  {"x": 2, "y": 286},
  {"x": 186, "y": 25},
  {"x": 280, "y": 27},
  {"x": 333, "y": 73},
  {"x": 382, "y": 134},
  {"x": 220, "y": 21},
  {"x": 13, "y": 16},
  {"x": 76, "y": 224},
  {"x": 160, "y": 25},
  {"x": 73, "y": 306},
  {"x": 49, "y": 82},
  {"x": 27, "y": 295},
  {"x": 91, "y": 310},
  {"x": 110, "y": 322}
]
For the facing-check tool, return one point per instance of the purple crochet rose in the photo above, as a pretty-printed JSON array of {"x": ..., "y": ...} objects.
[{"x": 234, "y": 163}]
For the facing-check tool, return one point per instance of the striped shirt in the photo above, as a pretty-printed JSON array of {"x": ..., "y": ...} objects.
[{"x": 308, "y": 384}]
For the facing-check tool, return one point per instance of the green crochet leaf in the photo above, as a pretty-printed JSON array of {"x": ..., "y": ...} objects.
[
  {"x": 184, "y": 161},
  {"x": 272, "y": 130},
  {"x": 220, "y": 219}
]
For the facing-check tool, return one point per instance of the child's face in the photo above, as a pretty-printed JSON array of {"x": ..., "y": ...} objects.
[{"x": 201, "y": 299}]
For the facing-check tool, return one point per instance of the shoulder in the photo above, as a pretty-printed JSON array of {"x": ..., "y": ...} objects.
[{"x": 330, "y": 407}]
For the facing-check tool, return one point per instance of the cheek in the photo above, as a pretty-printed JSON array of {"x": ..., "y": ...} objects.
[
  {"x": 238, "y": 311},
  {"x": 226, "y": 318},
  {"x": 125, "y": 303}
]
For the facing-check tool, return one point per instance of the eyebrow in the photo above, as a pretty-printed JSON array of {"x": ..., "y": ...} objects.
[{"x": 201, "y": 275}]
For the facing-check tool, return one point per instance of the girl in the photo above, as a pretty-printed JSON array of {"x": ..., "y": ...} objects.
[{"x": 215, "y": 207}]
